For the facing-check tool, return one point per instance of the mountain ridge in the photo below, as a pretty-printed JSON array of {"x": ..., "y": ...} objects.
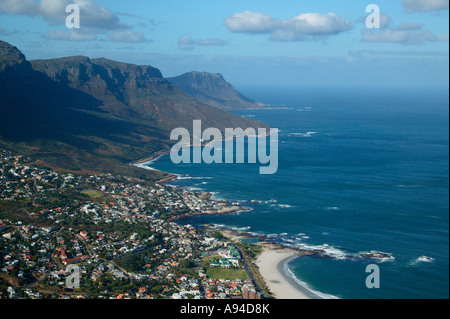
[
  {"x": 214, "y": 90},
  {"x": 94, "y": 115}
]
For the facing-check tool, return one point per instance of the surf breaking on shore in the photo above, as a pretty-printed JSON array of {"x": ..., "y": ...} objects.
[{"x": 278, "y": 250}]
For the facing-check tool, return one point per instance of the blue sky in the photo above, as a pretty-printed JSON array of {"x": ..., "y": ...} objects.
[{"x": 252, "y": 43}]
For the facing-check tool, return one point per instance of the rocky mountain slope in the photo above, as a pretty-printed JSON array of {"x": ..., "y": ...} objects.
[
  {"x": 94, "y": 115},
  {"x": 212, "y": 89}
]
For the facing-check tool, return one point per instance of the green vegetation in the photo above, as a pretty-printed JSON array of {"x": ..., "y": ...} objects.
[
  {"x": 210, "y": 259},
  {"x": 230, "y": 274},
  {"x": 131, "y": 262},
  {"x": 92, "y": 193},
  {"x": 252, "y": 251},
  {"x": 217, "y": 235}
]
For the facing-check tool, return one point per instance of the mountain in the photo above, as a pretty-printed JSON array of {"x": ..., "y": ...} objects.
[
  {"x": 93, "y": 116},
  {"x": 212, "y": 89}
]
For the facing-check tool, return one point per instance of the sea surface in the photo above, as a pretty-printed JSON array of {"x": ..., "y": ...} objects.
[{"x": 360, "y": 171}]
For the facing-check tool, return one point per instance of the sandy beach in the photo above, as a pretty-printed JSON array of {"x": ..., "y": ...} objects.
[{"x": 271, "y": 263}]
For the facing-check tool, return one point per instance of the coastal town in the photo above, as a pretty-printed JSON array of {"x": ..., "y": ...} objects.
[{"x": 119, "y": 234}]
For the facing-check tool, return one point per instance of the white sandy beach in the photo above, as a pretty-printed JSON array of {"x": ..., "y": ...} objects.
[{"x": 268, "y": 263}]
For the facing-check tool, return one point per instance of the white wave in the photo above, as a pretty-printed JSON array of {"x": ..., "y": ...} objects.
[
  {"x": 307, "y": 134},
  {"x": 304, "y": 109},
  {"x": 241, "y": 229},
  {"x": 387, "y": 257},
  {"x": 218, "y": 225},
  {"x": 147, "y": 166},
  {"x": 183, "y": 177},
  {"x": 194, "y": 189},
  {"x": 422, "y": 259},
  {"x": 285, "y": 206},
  {"x": 425, "y": 259},
  {"x": 328, "y": 250},
  {"x": 304, "y": 285},
  {"x": 215, "y": 196}
]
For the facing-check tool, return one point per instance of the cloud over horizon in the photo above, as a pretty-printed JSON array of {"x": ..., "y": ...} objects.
[
  {"x": 70, "y": 35},
  {"x": 128, "y": 36},
  {"x": 187, "y": 43},
  {"x": 405, "y": 33},
  {"x": 411, "y": 6},
  {"x": 300, "y": 28},
  {"x": 94, "y": 16}
]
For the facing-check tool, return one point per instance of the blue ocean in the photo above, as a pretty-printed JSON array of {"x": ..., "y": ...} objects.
[{"x": 360, "y": 171}]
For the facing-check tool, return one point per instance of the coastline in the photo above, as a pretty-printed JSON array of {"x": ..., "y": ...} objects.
[
  {"x": 143, "y": 163},
  {"x": 271, "y": 263}
]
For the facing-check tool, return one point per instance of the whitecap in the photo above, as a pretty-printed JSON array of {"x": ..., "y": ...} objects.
[
  {"x": 328, "y": 250},
  {"x": 422, "y": 259},
  {"x": 307, "y": 134},
  {"x": 285, "y": 206},
  {"x": 241, "y": 229}
]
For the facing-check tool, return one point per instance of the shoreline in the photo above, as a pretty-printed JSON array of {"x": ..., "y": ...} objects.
[
  {"x": 150, "y": 159},
  {"x": 274, "y": 258},
  {"x": 271, "y": 264}
]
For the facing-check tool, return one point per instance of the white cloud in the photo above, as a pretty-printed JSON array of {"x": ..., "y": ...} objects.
[
  {"x": 425, "y": 5},
  {"x": 300, "y": 28},
  {"x": 71, "y": 35},
  {"x": 385, "y": 20},
  {"x": 54, "y": 11},
  {"x": 252, "y": 22},
  {"x": 405, "y": 33},
  {"x": 211, "y": 42},
  {"x": 128, "y": 37},
  {"x": 317, "y": 24},
  {"x": 187, "y": 43},
  {"x": 409, "y": 26},
  {"x": 28, "y": 7}
]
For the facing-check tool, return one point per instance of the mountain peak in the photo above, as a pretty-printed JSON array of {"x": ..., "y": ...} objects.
[
  {"x": 11, "y": 57},
  {"x": 9, "y": 51},
  {"x": 213, "y": 89},
  {"x": 94, "y": 115}
]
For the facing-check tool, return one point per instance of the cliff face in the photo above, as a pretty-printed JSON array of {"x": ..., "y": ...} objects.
[
  {"x": 135, "y": 92},
  {"x": 212, "y": 89},
  {"x": 77, "y": 113}
]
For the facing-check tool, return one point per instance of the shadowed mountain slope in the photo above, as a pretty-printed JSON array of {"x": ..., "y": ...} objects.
[{"x": 96, "y": 115}]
